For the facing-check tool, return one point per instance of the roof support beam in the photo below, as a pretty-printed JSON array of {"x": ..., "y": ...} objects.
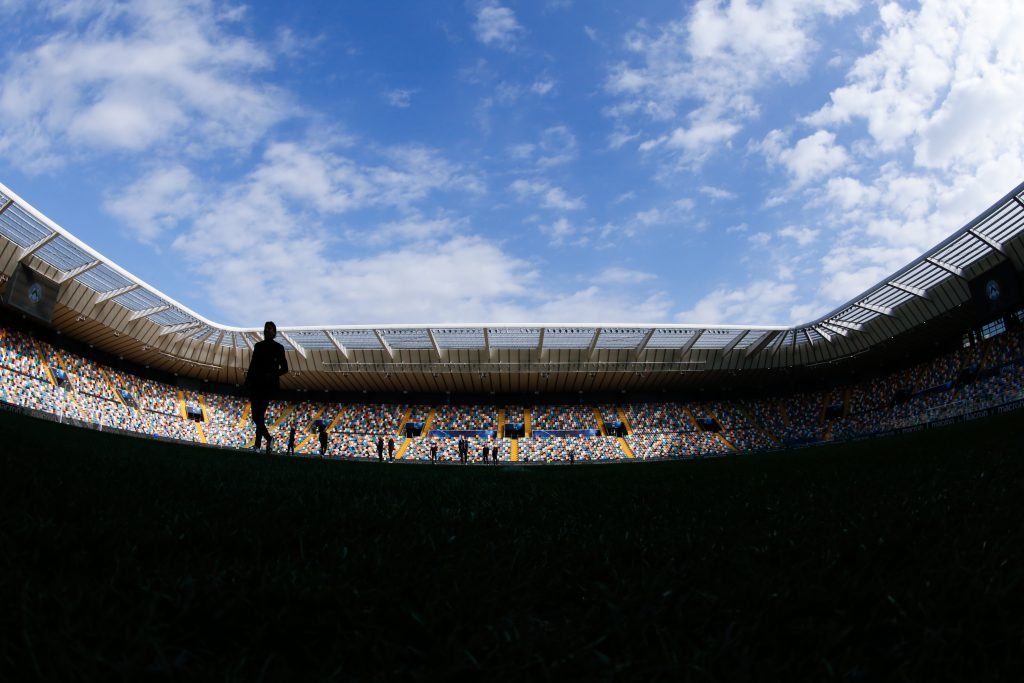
[
  {"x": 433, "y": 342},
  {"x": 881, "y": 310},
  {"x": 337, "y": 344},
  {"x": 762, "y": 342},
  {"x": 736, "y": 340},
  {"x": 71, "y": 274},
  {"x": 39, "y": 244},
  {"x": 948, "y": 267},
  {"x": 779, "y": 342},
  {"x": 295, "y": 345},
  {"x": 487, "y": 341},
  {"x": 8, "y": 204},
  {"x": 593, "y": 343},
  {"x": 106, "y": 296},
  {"x": 147, "y": 312},
  {"x": 181, "y": 328},
  {"x": 856, "y": 327},
  {"x": 825, "y": 334},
  {"x": 384, "y": 344},
  {"x": 642, "y": 346},
  {"x": 833, "y": 328},
  {"x": 203, "y": 337},
  {"x": 987, "y": 240},
  {"x": 685, "y": 348},
  {"x": 1015, "y": 198},
  {"x": 540, "y": 343},
  {"x": 916, "y": 291}
]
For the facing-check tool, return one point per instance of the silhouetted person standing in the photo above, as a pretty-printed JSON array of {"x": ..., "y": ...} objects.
[
  {"x": 391, "y": 449},
  {"x": 291, "y": 440},
  {"x": 323, "y": 439},
  {"x": 494, "y": 453},
  {"x": 433, "y": 452},
  {"x": 486, "y": 452},
  {"x": 263, "y": 380},
  {"x": 572, "y": 456},
  {"x": 380, "y": 449}
]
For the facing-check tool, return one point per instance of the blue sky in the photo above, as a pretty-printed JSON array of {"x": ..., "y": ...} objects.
[{"x": 503, "y": 161}]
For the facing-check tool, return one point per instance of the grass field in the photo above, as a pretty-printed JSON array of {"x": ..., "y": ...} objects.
[{"x": 125, "y": 559}]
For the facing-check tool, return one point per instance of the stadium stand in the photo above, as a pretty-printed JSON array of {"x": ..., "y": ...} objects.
[{"x": 984, "y": 374}]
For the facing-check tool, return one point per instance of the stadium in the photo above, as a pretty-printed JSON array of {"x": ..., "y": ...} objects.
[
  {"x": 946, "y": 328},
  {"x": 654, "y": 341},
  {"x": 110, "y": 358}
]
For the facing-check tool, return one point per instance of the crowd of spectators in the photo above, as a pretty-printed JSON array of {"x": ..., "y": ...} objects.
[
  {"x": 363, "y": 446},
  {"x": 448, "y": 449},
  {"x": 19, "y": 353},
  {"x": 562, "y": 418},
  {"x": 515, "y": 415},
  {"x": 659, "y": 417},
  {"x": 652, "y": 445},
  {"x": 357, "y": 418},
  {"x": 980, "y": 375},
  {"x": 562, "y": 449},
  {"x": 466, "y": 418}
]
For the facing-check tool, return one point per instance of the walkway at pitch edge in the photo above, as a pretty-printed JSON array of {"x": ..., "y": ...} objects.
[
  {"x": 49, "y": 372},
  {"x": 629, "y": 430},
  {"x": 309, "y": 432},
  {"x": 721, "y": 434},
  {"x": 184, "y": 415},
  {"x": 401, "y": 430},
  {"x": 288, "y": 410},
  {"x": 206, "y": 414}
]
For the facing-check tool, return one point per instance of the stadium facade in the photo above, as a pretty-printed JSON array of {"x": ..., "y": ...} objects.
[{"x": 51, "y": 275}]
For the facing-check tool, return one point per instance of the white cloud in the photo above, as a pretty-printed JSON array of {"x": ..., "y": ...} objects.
[
  {"x": 522, "y": 151},
  {"x": 543, "y": 86},
  {"x": 622, "y": 276},
  {"x": 590, "y": 304},
  {"x": 802, "y": 236},
  {"x": 557, "y": 146},
  {"x": 764, "y": 302},
  {"x": 156, "y": 202},
  {"x": 719, "y": 57},
  {"x": 811, "y": 159},
  {"x": 496, "y": 25},
  {"x": 560, "y": 231},
  {"x": 849, "y": 193},
  {"x": 136, "y": 76},
  {"x": 415, "y": 228},
  {"x": 551, "y": 197},
  {"x": 716, "y": 192},
  {"x": 935, "y": 103},
  {"x": 399, "y": 97}
]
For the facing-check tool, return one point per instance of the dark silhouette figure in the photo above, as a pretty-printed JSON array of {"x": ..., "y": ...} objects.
[
  {"x": 572, "y": 457},
  {"x": 494, "y": 453},
  {"x": 463, "y": 449},
  {"x": 391, "y": 449},
  {"x": 263, "y": 380},
  {"x": 323, "y": 440},
  {"x": 380, "y": 449},
  {"x": 486, "y": 452},
  {"x": 433, "y": 452},
  {"x": 291, "y": 440}
]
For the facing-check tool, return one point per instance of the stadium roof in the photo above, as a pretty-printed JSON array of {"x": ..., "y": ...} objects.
[{"x": 102, "y": 304}]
